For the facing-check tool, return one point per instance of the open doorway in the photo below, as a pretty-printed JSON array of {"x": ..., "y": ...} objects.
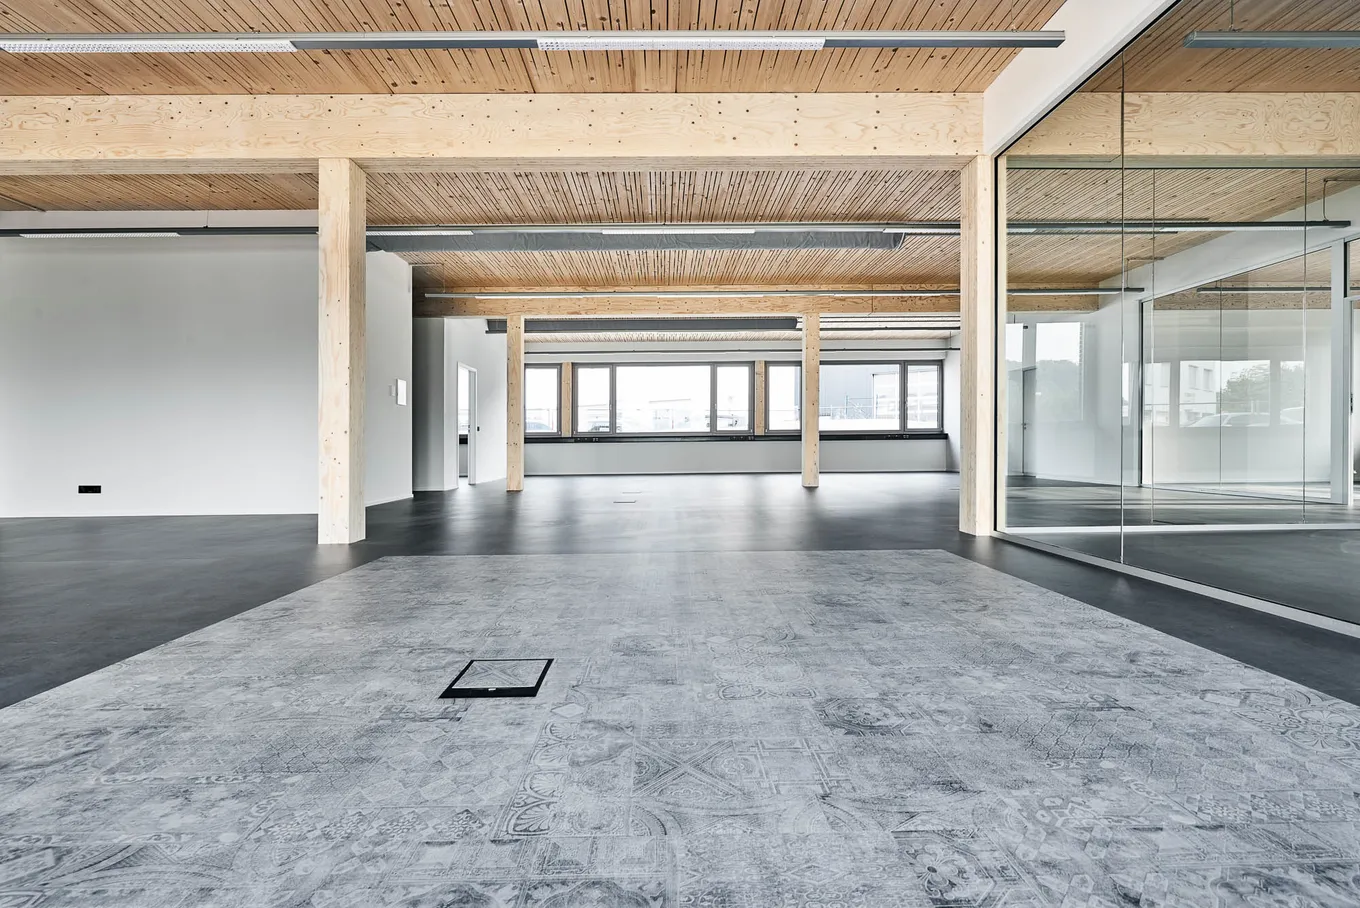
[{"x": 467, "y": 425}]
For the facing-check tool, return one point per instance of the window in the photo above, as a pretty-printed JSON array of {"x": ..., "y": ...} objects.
[
  {"x": 783, "y": 397},
  {"x": 859, "y": 397},
  {"x": 663, "y": 399},
  {"x": 734, "y": 398},
  {"x": 924, "y": 401},
  {"x": 542, "y": 402},
  {"x": 592, "y": 393}
]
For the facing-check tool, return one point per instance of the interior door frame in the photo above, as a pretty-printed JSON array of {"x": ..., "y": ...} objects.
[{"x": 473, "y": 428}]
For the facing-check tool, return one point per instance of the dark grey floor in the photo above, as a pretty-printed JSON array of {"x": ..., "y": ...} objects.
[{"x": 80, "y": 594}]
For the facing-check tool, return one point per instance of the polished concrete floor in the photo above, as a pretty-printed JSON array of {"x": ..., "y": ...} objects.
[
  {"x": 1313, "y": 567},
  {"x": 867, "y": 729},
  {"x": 78, "y": 595}
]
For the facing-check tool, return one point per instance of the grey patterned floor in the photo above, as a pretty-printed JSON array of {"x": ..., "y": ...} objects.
[{"x": 718, "y": 730}]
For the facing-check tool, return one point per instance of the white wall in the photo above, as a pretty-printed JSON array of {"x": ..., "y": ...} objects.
[
  {"x": 467, "y": 342},
  {"x": 179, "y": 374},
  {"x": 387, "y": 425},
  {"x": 764, "y": 456},
  {"x": 433, "y": 393}
]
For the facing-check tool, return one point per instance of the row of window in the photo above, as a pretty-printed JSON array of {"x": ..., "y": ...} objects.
[{"x": 719, "y": 398}]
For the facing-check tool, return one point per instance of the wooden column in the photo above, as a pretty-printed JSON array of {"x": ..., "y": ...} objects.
[
  {"x": 977, "y": 480},
  {"x": 812, "y": 373},
  {"x": 341, "y": 222},
  {"x": 514, "y": 399},
  {"x": 567, "y": 415},
  {"x": 759, "y": 397}
]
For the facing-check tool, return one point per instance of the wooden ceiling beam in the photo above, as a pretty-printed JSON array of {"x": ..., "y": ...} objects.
[
  {"x": 404, "y": 133},
  {"x": 1190, "y": 128}
]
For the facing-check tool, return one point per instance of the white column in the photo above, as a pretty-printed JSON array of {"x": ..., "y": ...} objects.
[
  {"x": 1343, "y": 380},
  {"x": 340, "y": 414}
]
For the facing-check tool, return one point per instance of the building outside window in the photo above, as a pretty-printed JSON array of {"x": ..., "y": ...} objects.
[{"x": 542, "y": 401}]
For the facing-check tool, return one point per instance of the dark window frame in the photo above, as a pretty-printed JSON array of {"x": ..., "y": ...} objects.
[
  {"x": 902, "y": 429},
  {"x": 713, "y": 365}
]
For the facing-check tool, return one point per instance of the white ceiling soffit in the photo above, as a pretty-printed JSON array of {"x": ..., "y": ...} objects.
[{"x": 1037, "y": 81}]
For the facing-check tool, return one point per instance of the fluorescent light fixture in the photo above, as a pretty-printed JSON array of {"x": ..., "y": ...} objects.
[
  {"x": 418, "y": 231},
  {"x": 99, "y": 235},
  {"x": 1160, "y": 227},
  {"x": 145, "y": 44},
  {"x": 680, "y": 294},
  {"x": 675, "y": 231},
  {"x": 1274, "y": 40},
  {"x": 1071, "y": 291},
  {"x": 608, "y": 40},
  {"x": 940, "y": 229},
  {"x": 1260, "y": 288},
  {"x": 715, "y": 40}
]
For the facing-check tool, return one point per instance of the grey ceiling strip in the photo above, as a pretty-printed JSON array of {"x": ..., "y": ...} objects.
[
  {"x": 688, "y": 325},
  {"x": 596, "y": 242}
]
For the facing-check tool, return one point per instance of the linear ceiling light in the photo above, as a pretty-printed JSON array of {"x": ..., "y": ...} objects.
[
  {"x": 98, "y": 235},
  {"x": 1274, "y": 40},
  {"x": 1157, "y": 227},
  {"x": 676, "y": 231},
  {"x": 1071, "y": 291},
  {"x": 418, "y": 231},
  {"x": 526, "y": 40},
  {"x": 146, "y": 44},
  {"x": 1259, "y": 288},
  {"x": 678, "y": 294}
]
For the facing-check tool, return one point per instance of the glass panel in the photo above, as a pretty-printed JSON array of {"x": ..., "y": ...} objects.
[
  {"x": 592, "y": 399},
  {"x": 923, "y": 397},
  {"x": 541, "y": 384},
  {"x": 734, "y": 398},
  {"x": 669, "y": 399},
  {"x": 784, "y": 395},
  {"x": 860, "y": 397}
]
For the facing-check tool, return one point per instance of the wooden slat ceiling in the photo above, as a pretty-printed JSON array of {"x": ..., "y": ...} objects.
[
  {"x": 664, "y": 197},
  {"x": 1159, "y": 61},
  {"x": 351, "y": 72},
  {"x": 160, "y": 192},
  {"x": 918, "y": 261}
]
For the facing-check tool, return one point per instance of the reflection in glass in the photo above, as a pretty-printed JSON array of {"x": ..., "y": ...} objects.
[{"x": 592, "y": 399}]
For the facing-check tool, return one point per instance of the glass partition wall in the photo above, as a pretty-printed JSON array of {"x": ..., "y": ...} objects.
[{"x": 1179, "y": 343}]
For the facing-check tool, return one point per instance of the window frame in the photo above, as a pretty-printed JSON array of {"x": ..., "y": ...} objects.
[
  {"x": 902, "y": 366},
  {"x": 713, "y": 430}
]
